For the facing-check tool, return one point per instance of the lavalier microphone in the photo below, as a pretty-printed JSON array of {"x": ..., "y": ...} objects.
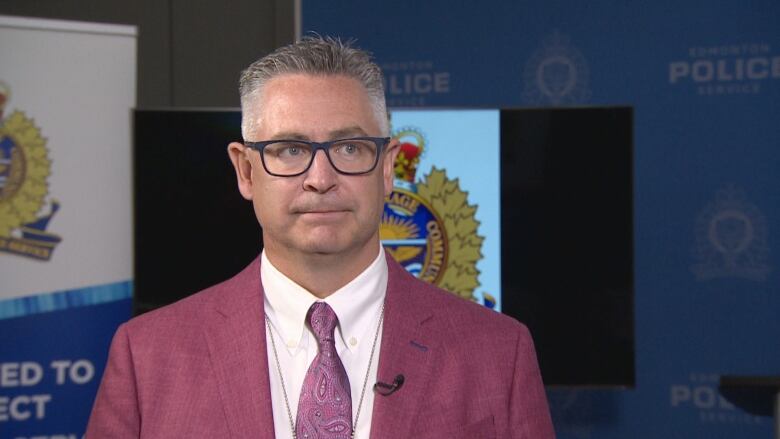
[{"x": 385, "y": 389}]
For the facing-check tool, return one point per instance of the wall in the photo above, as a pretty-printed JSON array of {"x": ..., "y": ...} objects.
[{"x": 190, "y": 52}]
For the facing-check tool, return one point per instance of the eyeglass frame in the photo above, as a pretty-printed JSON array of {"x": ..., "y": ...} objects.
[{"x": 380, "y": 142}]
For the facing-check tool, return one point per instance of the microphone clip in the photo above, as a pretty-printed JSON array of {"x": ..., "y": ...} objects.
[{"x": 385, "y": 389}]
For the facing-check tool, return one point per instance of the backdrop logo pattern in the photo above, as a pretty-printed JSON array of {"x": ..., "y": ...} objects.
[
  {"x": 410, "y": 83},
  {"x": 429, "y": 226},
  {"x": 24, "y": 169},
  {"x": 700, "y": 395},
  {"x": 556, "y": 74},
  {"x": 572, "y": 415},
  {"x": 731, "y": 239},
  {"x": 726, "y": 69}
]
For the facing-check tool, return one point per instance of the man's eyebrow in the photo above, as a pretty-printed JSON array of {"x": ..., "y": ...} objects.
[
  {"x": 342, "y": 133},
  {"x": 354, "y": 131},
  {"x": 289, "y": 135}
]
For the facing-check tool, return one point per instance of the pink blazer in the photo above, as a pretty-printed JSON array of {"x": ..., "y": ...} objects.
[{"x": 198, "y": 369}]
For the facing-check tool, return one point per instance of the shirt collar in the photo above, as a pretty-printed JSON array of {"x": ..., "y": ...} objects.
[{"x": 357, "y": 304}]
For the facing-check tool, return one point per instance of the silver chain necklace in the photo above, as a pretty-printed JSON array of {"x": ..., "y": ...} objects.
[{"x": 365, "y": 379}]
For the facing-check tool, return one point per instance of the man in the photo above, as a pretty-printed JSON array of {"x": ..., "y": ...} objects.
[{"x": 293, "y": 345}]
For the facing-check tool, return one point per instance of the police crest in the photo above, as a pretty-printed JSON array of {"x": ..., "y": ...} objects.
[
  {"x": 556, "y": 73},
  {"x": 731, "y": 239},
  {"x": 428, "y": 226},
  {"x": 24, "y": 169}
]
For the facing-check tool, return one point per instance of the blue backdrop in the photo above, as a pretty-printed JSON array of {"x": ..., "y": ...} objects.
[{"x": 704, "y": 81}]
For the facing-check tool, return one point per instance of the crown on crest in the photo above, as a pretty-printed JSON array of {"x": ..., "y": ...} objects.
[{"x": 411, "y": 148}]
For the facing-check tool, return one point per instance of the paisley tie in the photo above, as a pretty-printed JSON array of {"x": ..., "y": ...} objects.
[{"x": 325, "y": 405}]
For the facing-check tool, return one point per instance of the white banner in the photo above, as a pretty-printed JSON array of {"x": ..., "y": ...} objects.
[{"x": 66, "y": 89}]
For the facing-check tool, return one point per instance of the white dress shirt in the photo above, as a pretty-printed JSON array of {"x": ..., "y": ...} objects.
[{"x": 357, "y": 305}]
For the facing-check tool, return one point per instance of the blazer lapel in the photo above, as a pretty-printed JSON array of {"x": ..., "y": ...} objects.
[
  {"x": 406, "y": 350},
  {"x": 235, "y": 334}
]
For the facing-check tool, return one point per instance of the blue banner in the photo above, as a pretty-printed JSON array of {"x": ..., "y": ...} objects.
[
  {"x": 51, "y": 364},
  {"x": 704, "y": 82}
]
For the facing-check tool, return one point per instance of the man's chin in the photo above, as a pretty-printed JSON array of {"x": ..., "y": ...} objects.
[
  {"x": 329, "y": 246},
  {"x": 323, "y": 247},
  {"x": 325, "y": 217},
  {"x": 325, "y": 241}
]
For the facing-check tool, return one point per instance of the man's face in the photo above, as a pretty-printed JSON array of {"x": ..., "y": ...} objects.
[{"x": 320, "y": 212}]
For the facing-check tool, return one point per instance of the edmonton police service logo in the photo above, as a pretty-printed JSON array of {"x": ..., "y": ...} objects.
[
  {"x": 574, "y": 409},
  {"x": 556, "y": 74},
  {"x": 429, "y": 227},
  {"x": 24, "y": 168},
  {"x": 731, "y": 239}
]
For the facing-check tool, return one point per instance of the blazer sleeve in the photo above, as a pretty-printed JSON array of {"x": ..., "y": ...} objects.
[
  {"x": 115, "y": 413},
  {"x": 529, "y": 414}
]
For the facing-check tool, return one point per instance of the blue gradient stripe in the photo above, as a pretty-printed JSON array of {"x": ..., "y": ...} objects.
[{"x": 61, "y": 300}]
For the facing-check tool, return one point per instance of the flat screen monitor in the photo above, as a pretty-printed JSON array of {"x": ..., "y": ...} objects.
[{"x": 563, "y": 228}]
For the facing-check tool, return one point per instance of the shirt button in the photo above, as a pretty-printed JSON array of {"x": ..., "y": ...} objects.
[
  {"x": 352, "y": 341},
  {"x": 291, "y": 344}
]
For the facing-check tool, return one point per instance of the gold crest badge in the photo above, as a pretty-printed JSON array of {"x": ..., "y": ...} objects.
[
  {"x": 429, "y": 227},
  {"x": 24, "y": 170}
]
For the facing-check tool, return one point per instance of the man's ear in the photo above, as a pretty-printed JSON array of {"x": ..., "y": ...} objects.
[
  {"x": 239, "y": 156},
  {"x": 388, "y": 165}
]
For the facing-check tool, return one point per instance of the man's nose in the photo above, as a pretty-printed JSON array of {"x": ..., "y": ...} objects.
[{"x": 321, "y": 176}]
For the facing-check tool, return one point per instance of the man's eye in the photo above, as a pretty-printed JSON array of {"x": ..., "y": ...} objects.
[
  {"x": 348, "y": 149},
  {"x": 287, "y": 150},
  {"x": 291, "y": 150}
]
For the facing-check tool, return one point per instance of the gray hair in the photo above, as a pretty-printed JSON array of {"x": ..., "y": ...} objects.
[{"x": 313, "y": 55}]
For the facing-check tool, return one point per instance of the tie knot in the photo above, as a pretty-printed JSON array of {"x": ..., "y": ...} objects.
[{"x": 323, "y": 322}]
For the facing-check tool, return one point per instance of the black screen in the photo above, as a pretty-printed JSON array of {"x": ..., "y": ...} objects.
[
  {"x": 567, "y": 239},
  {"x": 192, "y": 227}
]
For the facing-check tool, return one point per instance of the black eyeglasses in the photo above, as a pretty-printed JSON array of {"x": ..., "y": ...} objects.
[{"x": 289, "y": 158}]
